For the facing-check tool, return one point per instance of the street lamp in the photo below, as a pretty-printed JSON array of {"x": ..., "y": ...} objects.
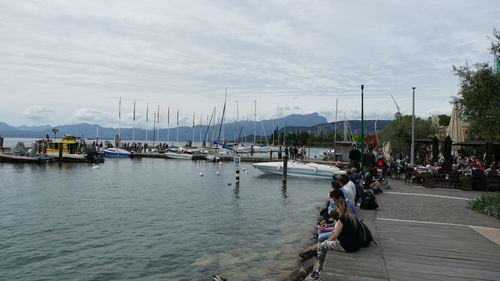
[
  {"x": 55, "y": 130},
  {"x": 412, "y": 157},
  {"x": 362, "y": 133}
]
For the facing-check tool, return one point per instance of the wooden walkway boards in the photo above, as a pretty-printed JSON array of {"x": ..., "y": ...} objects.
[{"x": 416, "y": 251}]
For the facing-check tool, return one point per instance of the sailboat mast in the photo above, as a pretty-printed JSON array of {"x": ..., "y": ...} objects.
[
  {"x": 119, "y": 117},
  {"x": 154, "y": 128},
  {"x": 237, "y": 139},
  {"x": 168, "y": 125},
  {"x": 255, "y": 119},
  {"x": 273, "y": 129},
  {"x": 133, "y": 130},
  {"x": 192, "y": 139},
  {"x": 177, "y": 127},
  {"x": 147, "y": 121}
]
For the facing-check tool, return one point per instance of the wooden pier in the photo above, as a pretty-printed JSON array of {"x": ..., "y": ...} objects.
[{"x": 447, "y": 242}]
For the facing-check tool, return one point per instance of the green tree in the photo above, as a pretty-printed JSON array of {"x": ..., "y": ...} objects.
[
  {"x": 444, "y": 120},
  {"x": 478, "y": 99},
  {"x": 399, "y": 132}
]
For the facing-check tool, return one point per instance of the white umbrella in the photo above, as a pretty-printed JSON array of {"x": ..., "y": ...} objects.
[{"x": 455, "y": 129}]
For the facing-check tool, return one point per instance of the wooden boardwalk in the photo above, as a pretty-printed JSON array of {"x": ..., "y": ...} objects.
[{"x": 417, "y": 251}]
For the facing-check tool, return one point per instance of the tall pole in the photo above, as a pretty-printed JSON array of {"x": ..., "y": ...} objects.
[
  {"x": 335, "y": 137},
  {"x": 255, "y": 119},
  {"x": 133, "y": 131},
  {"x": 362, "y": 133},
  {"x": 412, "y": 157}
]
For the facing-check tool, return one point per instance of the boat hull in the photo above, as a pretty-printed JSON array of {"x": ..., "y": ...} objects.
[
  {"x": 5, "y": 158},
  {"x": 297, "y": 169},
  {"x": 116, "y": 153},
  {"x": 183, "y": 156}
]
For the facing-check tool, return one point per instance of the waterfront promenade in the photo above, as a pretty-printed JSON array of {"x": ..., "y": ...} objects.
[{"x": 422, "y": 234}]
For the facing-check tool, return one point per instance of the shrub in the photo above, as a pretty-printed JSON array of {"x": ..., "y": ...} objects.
[{"x": 488, "y": 204}]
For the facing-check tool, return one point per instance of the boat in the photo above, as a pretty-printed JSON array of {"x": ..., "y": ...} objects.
[
  {"x": 116, "y": 153},
  {"x": 11, "y": 158},
  {"x": 69, "y": 149},
  {"x": 179, "y": 155},
  {"x": 300, "y": 169}
]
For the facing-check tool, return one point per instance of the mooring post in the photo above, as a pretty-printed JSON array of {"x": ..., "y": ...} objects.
[
  {"x": 285, "y": 169},
  {"x": 237, "y": 161},
  {"x": 60, "y": 152},
  {"x": 271, "y": 154}
]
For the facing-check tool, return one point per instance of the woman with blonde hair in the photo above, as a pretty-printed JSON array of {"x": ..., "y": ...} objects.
[{"x": 345, "y": 237}]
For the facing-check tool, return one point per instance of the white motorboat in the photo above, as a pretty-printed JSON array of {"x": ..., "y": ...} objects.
[
  {"x": 179, "y": 155},
  {"x": 116, "y": 152},
  {"x": 300, "y": 169}
]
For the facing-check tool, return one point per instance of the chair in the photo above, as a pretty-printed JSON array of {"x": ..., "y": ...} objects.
[
  {"x": 493, "y": 183},
  {"x": 453, "y": 180},
  {"x": 441, "y": 179}
]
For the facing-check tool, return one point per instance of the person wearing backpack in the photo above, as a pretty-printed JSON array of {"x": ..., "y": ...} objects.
[{"x": 345, "y": 237}]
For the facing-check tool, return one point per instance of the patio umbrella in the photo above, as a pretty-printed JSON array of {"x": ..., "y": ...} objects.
[
  {"x": 447, "y": 153},
  {"x": 455, "y": 131},
  {"x": 435, "y": 147}
]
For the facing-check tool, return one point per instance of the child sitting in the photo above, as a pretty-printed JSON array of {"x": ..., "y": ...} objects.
[{"x": 326, "y": 230}]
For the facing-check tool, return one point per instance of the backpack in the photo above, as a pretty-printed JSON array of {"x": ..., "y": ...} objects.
[
  {"x": 365, "y": 235},
  {"x": 368, "y": 201}
]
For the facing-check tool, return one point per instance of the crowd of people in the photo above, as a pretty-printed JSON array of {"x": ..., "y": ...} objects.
[{"x": 339, "y": 227}]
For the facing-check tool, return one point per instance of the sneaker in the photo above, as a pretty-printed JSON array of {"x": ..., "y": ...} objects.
[{"x": 316, "y": 274}]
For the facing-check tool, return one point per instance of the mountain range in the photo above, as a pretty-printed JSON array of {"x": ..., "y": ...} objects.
[{"x": 243, "y": 129}]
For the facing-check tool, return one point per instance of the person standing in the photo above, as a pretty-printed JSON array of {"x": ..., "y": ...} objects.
[{"x": 355, "y": 157}]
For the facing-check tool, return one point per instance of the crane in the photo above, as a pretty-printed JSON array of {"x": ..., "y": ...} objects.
[{"x": 397, "y": 106}]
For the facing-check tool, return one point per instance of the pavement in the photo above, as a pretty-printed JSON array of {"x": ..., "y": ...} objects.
[{"x": 422, "y": 234}]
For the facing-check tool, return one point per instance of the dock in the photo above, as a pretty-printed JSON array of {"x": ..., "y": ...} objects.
[{"x": 422, "y": 234}]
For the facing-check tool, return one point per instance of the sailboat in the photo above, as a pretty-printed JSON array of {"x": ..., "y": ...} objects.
[{"x": 116, "y": 152}]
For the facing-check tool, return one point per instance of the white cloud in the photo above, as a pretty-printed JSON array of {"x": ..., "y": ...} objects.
[
  {"x": 40, "y": 114},
  {"x": 183, "y": 54}
]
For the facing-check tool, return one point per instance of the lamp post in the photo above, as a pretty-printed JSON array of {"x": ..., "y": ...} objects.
[
  {"x": 55, "y": 130},
  {"x": 362, "y": 133},
  {"x": 412, "y": 156}
]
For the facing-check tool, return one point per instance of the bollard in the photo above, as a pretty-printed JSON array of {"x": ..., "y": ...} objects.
[
  {"x": 285, "y": 169},
  {"x": 237, "y": 176}
]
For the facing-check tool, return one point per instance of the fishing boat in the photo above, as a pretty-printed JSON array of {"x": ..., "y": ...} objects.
[
  {"x": 300, "y": 169},
  {"x": 69, "y": 149},
  {"x": 116, "y": 153}
]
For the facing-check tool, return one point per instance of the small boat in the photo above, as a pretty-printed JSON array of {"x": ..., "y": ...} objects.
[
  {"x": 179, "y": 155},
  {"x": 116, "y": 153},
  {"x": 300, "y": 169},
  {"x": 9, "y": 158}
]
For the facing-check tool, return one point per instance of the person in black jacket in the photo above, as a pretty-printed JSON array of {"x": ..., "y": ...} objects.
[{"x": 355, "y": 157}]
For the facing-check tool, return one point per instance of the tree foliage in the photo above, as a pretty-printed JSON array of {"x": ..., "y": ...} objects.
[
  {"x": 478, "y": 100},
  {"x": 399, "y": 132},
  {"x": 444, "y": 120}
]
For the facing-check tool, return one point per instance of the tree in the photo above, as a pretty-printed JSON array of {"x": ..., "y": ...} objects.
[
  {"x": 399, "y": 132},
  {"x": 478, "y": 100},
  {"x": 444, "y": 120}
]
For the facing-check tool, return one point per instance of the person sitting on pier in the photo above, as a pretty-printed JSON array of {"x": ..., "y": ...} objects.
[
  {"x": 349, "y": 187},
  {"x": 372, "y": 181},
  {"x": 345, "y": 237},
  {"x": 326, "y": 230}
]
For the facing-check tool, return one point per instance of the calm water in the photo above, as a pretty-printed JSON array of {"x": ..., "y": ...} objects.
[{"x": 151, "y": 219}]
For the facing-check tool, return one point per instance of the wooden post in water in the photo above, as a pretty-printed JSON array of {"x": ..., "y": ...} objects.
[
  {"x": 285, "y": 167},
  {"x": 60, "y": 152},
  {"x": 237, "y": 161}
]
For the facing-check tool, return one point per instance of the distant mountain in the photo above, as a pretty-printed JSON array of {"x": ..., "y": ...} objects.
[
  {"x": 229, "y": 131},
  {"x": 354, "y": 127}
]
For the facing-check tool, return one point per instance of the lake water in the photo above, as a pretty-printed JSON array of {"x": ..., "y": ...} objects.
[{"x": 151, "y": 219}]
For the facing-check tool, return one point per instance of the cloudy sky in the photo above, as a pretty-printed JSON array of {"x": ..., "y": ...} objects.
[{"x": 64, "y": 62}]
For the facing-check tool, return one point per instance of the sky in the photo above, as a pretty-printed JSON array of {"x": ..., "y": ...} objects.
[{"x": 68, "y": 62}]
